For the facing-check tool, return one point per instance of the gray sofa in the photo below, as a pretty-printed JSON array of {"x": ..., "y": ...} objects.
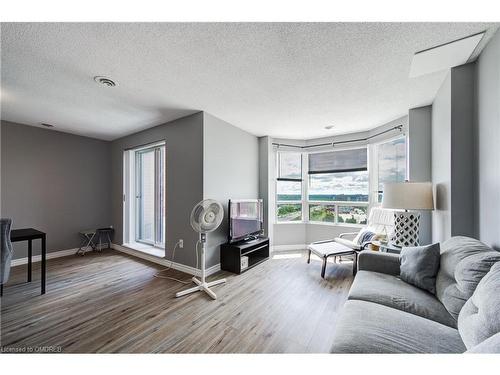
[{"x": 383, "y": 314}]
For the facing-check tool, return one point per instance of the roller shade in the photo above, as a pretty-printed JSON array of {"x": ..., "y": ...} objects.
[
  {"x": 289, "y": 166},
  {"x": 338, "y": 161}
]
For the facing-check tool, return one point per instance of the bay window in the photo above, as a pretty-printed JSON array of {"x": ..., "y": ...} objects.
[{"x": 336, "y": 187}]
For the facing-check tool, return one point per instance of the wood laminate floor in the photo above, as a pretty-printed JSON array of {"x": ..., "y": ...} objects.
[{"x": 111, "y": 302}]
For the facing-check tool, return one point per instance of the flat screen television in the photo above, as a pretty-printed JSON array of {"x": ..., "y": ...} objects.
[{"x": 245, "y": 219}]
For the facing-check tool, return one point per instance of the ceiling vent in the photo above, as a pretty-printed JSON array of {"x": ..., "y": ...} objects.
[
  {"x": 105, "y": 81},
  {"x": 47, "y": 125}
]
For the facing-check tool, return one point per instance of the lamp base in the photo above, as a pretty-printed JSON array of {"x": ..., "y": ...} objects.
[{"x": 406, "y": 228}]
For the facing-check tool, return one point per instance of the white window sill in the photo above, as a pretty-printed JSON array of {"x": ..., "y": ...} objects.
[
  {"x": 145, "y": 248},
  {"x": 340, "y": 225},
  {"x": 344, "y": 225}
]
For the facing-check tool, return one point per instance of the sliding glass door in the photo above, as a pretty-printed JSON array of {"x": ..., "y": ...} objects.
[{"x": 150, "y": 195}]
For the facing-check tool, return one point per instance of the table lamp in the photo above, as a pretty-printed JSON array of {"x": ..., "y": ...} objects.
[{"x": 407, "y": 196}]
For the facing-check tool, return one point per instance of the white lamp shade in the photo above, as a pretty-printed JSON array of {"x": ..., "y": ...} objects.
[{"x": 408, "y": 196}]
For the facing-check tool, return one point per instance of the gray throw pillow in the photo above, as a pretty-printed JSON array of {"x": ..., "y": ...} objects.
[{"x": 419, "y": 266}]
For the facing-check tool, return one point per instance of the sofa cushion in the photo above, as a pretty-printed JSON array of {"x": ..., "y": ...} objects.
[
  {"x": 464, "y": 262},
  {"x": 391, "y": 291},
  {"x": 367, "y": 327},
  {"x": 480, "y": 316},
  {"x": 490, "y": 345},
  {"x": 377, "y": 261},
  {"x": 419, "y": 266}
]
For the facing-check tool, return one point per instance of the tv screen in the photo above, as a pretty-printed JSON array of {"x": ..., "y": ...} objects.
[{"x": 245, "y": 218}]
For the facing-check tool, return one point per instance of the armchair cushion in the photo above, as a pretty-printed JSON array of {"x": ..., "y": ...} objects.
[{"x": 351, "y": 244}]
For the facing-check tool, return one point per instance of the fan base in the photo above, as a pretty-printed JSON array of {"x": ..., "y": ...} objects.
[{"x": 200, "y": 286}]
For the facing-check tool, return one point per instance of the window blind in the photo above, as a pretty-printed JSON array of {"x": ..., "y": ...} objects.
[
  {"x": 338, "y": 161},
  {"x": 289, "y": 166}
]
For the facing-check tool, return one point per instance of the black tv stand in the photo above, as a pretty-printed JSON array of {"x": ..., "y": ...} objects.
[{"x": 257, "y": 251}]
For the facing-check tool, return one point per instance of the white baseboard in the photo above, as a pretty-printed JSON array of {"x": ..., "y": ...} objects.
[
  {"x": 279, "y": 248},
  {"x": 211, "y": 270},
  {"x": 165, "y": 262},
  {"x": 38, "y": 258}
]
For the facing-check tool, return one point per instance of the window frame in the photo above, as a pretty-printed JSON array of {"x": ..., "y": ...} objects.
[
  {"x": 338, "y": 203},
  {"x": 284, "y": 179},
  {"x": 373, "y": 183},
  {"x": 131, "y": 196},
  {"x": 374, "y": 178}
]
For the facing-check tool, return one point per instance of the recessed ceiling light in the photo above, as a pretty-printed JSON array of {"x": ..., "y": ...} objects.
[
  {"x": 105, "y": 81},
  {"x": 329, "y": 127},
  {"x": 47, "y": 125}
]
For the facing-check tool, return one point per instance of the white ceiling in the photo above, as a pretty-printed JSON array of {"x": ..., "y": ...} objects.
[
  {"x": 445, "y": 56},
  {"x": 286, "y": 80}
]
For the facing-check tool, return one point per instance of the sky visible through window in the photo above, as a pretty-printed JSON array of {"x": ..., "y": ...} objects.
[
  {"x": 336, "y": 187},
  {"x": 392, "y": 162},
  {"x": 348, "y": 186}
]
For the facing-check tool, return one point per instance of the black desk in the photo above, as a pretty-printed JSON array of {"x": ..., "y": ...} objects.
[{"x": 30, "y": 234}]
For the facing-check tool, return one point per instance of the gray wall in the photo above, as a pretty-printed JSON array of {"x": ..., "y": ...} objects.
[
  {"x": 420, "y": 159},
  {"x": 441, "y": 162},
  {"x": 462, "y": 151},
  {"x": 453, "y": 155},
  {"x": 230, "y": 169},
  {"x": 320, "y": 232},
  {"x": 289, "y": 233},
  {"x": 184, "y": 175},
  {"x": 55, "y": 182},
  {"x": 266, "y": 183},
  {"x": 488, "y": 143}
]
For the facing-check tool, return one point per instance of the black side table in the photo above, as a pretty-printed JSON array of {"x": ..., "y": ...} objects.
[{"x": 30, "y": 234}]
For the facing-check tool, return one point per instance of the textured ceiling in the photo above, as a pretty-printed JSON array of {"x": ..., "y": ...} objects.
[{"x": 286, "y": 80}]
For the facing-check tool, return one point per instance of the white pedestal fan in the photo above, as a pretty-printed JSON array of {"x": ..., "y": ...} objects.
[{"x": 205, "y": 217}]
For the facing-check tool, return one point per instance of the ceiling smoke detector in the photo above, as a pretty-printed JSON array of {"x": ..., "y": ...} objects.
[
  {"x": 105, "y": 81},
  {"x": 47, "y": 125}
]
